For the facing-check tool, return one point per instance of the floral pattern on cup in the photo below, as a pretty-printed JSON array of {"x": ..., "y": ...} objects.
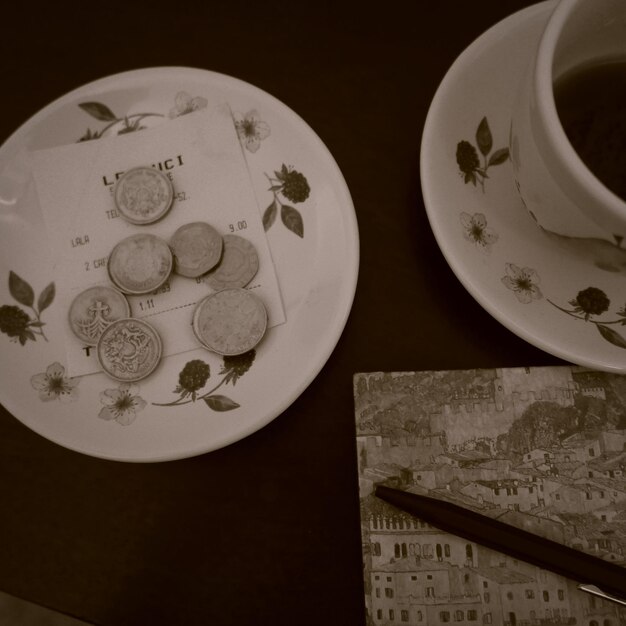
[
  {"x": 195, "y": 374},
  {"x": 468, "y": 160},
  {"x": 251, "y": 130},
  {"x": 475, "y": 229},
  {"x": 53, "y": 384},
  {"x": 523, "y": 281},
  {"x": 14, "y": 321},
  {"x": 121, "y": 404},
  {"x": 293, "y": 186},
  {"x": 590, "y": 303}
]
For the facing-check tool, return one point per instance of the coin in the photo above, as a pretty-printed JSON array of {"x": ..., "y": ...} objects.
[
  {"x": 197, "y": 248},
  {"x": 129, "y": 350},
  {"x": 140, "y": 263},
  {"x": 230, "y": 322},
  {"x": 143, "y": 195},
  {"x": 239, "y": 264},
  {"x": 94, "y": 309}
]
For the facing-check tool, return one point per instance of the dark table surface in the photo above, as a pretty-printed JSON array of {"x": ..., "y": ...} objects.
[{"x": 264, "y": 531}]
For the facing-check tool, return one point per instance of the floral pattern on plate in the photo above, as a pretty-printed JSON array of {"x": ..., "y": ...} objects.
[
  {"x": 14, "y": 321},
  {"x": 83, "y": 413},
  {"x": 194, "y": 376}
]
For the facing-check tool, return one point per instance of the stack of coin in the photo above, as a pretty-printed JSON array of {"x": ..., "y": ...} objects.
[
  {"x": 197, "y": 248},
  {"x": 94, "y": 309},
  {"x": 239, "y": 264},
  {"x": 230, "y": 322},
  {"x": 143, "y": 195},
  {"x": 129, "y": 350},
  {"x": 140, "y": 263}
]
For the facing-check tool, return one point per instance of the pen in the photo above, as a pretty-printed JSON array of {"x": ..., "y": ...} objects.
[{"x": 595, "y": 576}]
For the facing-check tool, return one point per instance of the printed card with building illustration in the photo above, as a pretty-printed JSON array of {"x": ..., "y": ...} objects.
[{"x": 543, "y": 449}]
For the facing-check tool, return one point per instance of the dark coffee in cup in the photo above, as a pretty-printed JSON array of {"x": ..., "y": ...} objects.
[{"x": 591, "y": 103}]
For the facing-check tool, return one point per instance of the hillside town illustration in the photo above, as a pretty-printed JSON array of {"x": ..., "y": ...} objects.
[{"x": 543, "y": 449}]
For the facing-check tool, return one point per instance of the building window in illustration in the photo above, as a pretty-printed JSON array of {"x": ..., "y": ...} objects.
[
  {"x": 388, "y": 592},
  {"x": 430, "y": 592},
  {"x": 379, "y": 614},
  {"x": 427, "y": 551},
  {"x": 378, "y": 592},
  {"x": 446, "y": 549},
  {"x": 509, "y": 595},
  {"x": 459, "y": 616},
  {"x": 396, "y": 550},
  {"x": 377, "y": 551},
  {"x": 485, "y": 584},
  {"x": 530, "y": 594},
  {"x": 439, "y": 552},
  {"x": 444, "y": 616},
  {"x": 592, "y": 452},
  {"x": 419, "y": 616},
  {"x": 404, "y": 615},
  {"x": 389, "y": 579},
  {"x": 561, "y": 593},
  {"x": 404, "y": 550},
  {"x": 546, "y": 596},
  {"x": 486, "y": 597},
  {"x": 392, "y": 615},
  {"x": 487, "y": 618},
  {"x": 472, "y": 615},
  {"x": 413, "y": 577}
]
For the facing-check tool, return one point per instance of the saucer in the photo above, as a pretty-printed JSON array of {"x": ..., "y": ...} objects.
[
  {"x": 559, "y": 294},
  {"x": 196, "y": 401}
]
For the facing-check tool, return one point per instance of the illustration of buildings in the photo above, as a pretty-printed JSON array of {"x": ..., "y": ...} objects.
[{"x": 543, "y": 449}]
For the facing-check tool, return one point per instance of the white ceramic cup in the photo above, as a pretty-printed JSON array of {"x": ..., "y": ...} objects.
[{"x": 563, "y": 196}]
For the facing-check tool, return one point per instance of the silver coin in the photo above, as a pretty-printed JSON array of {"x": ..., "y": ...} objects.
[
  {"x": 143, "y": 195},
  {"x": 129, "y": 350},
  {"x": 239, "y": 264},
  {"x": 140, "y": 263},
  {"x": 230, "y": 322},
  {"x": 95, "y": 309},
  {"x": 197, "y": 248}
]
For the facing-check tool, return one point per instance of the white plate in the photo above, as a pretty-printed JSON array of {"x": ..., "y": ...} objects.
[
  {"x": 549, "y": 290},
  {"x": 316, "y": 260}
]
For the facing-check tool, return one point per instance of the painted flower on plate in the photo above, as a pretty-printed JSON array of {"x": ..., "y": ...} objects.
[
  {"x": 591, "y": 301},
  {"x": 184, "y": 103},
  {"x": 192, "y": 377},
  {"x": 251, "y": 130},
  {"x": 475, "y": 230},
  {"x": 121, "y": 404},
  {"x": 53, "y": 384},
  {"x": 523, "y": 281},
  {"x": 236, "y": 366}
]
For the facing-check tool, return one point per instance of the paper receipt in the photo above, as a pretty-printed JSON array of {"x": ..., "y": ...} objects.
[{"x": 201, "y": 155}]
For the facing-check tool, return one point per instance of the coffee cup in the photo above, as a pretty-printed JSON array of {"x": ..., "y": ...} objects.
[{"x": 562, "y": 166}]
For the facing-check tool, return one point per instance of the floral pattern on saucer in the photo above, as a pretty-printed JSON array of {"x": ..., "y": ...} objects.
[
  {"x": 561, "y": 294},
  {"x": 467, "y": 157}
]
